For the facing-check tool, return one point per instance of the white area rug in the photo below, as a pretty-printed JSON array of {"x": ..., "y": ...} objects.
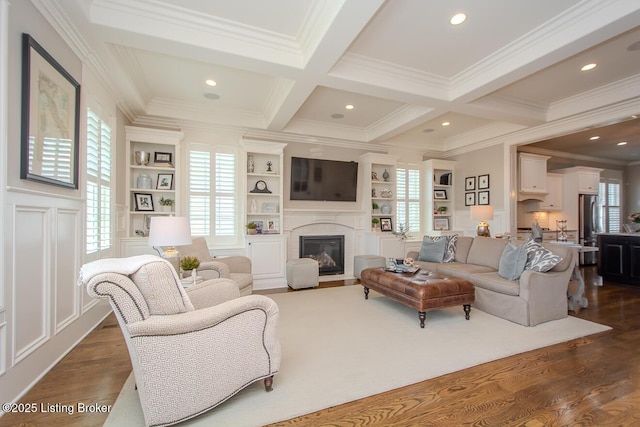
[{"x": 338, "y": 347}]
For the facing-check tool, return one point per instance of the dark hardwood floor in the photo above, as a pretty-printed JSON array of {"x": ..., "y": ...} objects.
[{"x": 591, "y": 381}]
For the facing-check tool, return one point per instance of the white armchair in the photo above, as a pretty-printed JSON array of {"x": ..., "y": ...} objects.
[
  {"x": 190, "y": 349},
  {"x": 236, "y": 268}
]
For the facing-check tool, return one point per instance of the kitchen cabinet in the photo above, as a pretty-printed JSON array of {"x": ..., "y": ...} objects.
[
  {"x": 532, "y": 172},
  {"x": 619, "y": 258},
  {"x": 553, "y": 200},
  {"x": 588, "y": 181}
]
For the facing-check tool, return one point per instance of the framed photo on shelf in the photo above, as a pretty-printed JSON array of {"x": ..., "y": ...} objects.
[
  {"x": 385, "y": 224},
  {"x": 259, "y": 226},
  {"x": 483, "y": 197},
  {"x": 144, "y": 201},
  {"x": 470, "y": 199},
  {"x": 470, "y": 183},
  {"x": 162, "y": 159},
  {"x": 440, "y": 194},
  {"x": 272, "y": 227},
  {"x": 269, "y": 208},
  {"x": 483, "y": 182},
  {"x": 441, "y": 224},
  {"x": 165, "y": 181},
  {"x": 50, "y": 118}
]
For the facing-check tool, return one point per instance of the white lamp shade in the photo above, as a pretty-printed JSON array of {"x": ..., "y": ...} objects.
[
  {"x": 169, "y": 231},
  {"x": 482, "y": 212}
]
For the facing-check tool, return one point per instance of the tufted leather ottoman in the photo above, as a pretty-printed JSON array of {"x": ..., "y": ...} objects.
[{"x": 423, "y": 291}]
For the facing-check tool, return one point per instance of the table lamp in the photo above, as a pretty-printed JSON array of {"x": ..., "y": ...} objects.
[
  {"x": 169, "y": 232},
  {"x": 482, "y": 213}
]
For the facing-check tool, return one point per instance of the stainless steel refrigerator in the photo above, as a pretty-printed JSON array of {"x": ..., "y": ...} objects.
[{"x": 588, "y": 226}]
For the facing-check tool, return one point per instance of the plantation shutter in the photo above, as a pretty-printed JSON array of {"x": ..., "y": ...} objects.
[
  {"x": 98, "y": 185},
  {"x": 408, "y": 197},
  {"x": 212, "y": 198}
]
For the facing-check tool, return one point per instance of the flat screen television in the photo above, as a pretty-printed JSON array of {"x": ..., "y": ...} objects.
[{"x": 324, "y": 180}]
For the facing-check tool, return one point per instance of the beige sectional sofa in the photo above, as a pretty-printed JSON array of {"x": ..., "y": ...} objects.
[{"x": 535, "y": 298}]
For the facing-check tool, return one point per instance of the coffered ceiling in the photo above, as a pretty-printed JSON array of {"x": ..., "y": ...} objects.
[{"x": 509, "y": 73}]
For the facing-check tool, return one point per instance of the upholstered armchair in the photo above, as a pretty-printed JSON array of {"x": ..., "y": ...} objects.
[
  {"x": 236, "y": 268},
  {"x": 191, "y": 349}
]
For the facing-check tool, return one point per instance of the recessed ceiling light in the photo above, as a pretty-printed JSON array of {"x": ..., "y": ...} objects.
[
  {"x": 622, "y": 143},
  {"x": 349, "y": 107},
  {"x": 589, "y": 67},
  {"x": 337, "y": 116},
  {"x": 446, "y": 123},
  {"x": 211, "y": 96},
  {"x": 593, "y": 138},
  {"x": 634, "y": 46},
  {"x": 210, "y": 82},
  {"x": 428, "y": 130},
  {"x": 458, "y": 19}
]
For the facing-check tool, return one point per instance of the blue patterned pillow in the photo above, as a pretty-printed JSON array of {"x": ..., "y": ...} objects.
[
  {"x": 450, "y": 250},
  {"x": 539, "y": 258}
]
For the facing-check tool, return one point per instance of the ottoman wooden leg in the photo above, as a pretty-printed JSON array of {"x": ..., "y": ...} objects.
[
  {"x": 366, "y": 293},
  {"x": 422, "y": 315},
  {"x": 467, "y": 310}
]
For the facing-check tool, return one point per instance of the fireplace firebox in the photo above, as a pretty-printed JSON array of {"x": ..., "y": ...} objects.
[{"x": 328, "y": 251}]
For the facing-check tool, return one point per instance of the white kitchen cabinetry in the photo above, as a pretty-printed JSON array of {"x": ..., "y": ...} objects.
[
  {"x": 532, "y": 172},
  {"x": 588, "y": 181},
  {"x": 553, "y": 200}
]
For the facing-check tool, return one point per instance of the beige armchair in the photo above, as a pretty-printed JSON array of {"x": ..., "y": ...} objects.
[
  {"x": 236, "y": 268},
  {"x": 191, "y": 349}
]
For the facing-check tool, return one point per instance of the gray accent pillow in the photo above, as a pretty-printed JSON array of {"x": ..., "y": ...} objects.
[
  {"x": 512, "y": 262},
  {"x": 432, "y": 249},
  {"x": 539, "y": 258}
]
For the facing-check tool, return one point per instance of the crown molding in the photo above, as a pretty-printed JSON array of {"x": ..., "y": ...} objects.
[{"x": 562, "y": 154}]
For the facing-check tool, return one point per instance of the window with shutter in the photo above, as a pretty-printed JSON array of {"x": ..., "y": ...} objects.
[
  {"x": 212, "y": 198},
  {"x": 408, "y": 197},
  {"x": 98, "y": 186}
]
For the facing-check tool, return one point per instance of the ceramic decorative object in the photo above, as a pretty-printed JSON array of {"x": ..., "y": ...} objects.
[
  {"x": 254, "y": 206},
  {"x": 385, "y": 175},
  {"x": 385, "y": 209},
  {"x": 251, "y": 165},
  {"x": 144, "y": 181},
  {"x": 386, "y": 194}
]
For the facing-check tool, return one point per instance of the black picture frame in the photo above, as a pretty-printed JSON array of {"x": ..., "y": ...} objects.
[
  {"x": 440, "y": 194},
  {"x": 386, "y": 224},
  {"x": 161, "y": 158},
  {"x": 144, "y": 202},
  {"x": 483, "y": 197},
  {"x": 483, "y": 182},
  {"x": 50, "y": 128},
  {"x": 165, "y": 181},
  {"x": 470, "y": 199},
  {"x": 470, "y": 183}
]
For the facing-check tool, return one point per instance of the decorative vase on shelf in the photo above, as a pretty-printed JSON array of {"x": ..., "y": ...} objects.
[
  {"x": 144, "y": 181},
  {"x": 385, "y": 209},
  {"x": 385, "y": 175},
  {"x": 254, "y": 206},
  {"x": 251, "y": 165}
]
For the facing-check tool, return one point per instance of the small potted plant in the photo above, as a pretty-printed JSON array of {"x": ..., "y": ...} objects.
[
  {"x": 167, "y": 204},
  {"x": 252, "y": 228},
  {"x": 442, "y": 210},
  {"x": 189, "y": 264},
  {"x": 375, "y": 224},
  {"x": 375, "y": 207}
]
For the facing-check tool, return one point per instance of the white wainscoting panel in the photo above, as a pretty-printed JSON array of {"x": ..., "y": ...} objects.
[
  {"x": 32, "y": 280},
  {"x": 66, "y": 304}
]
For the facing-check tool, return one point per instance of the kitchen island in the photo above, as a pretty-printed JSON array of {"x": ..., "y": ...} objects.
[{"x": 619, "y": 257}]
